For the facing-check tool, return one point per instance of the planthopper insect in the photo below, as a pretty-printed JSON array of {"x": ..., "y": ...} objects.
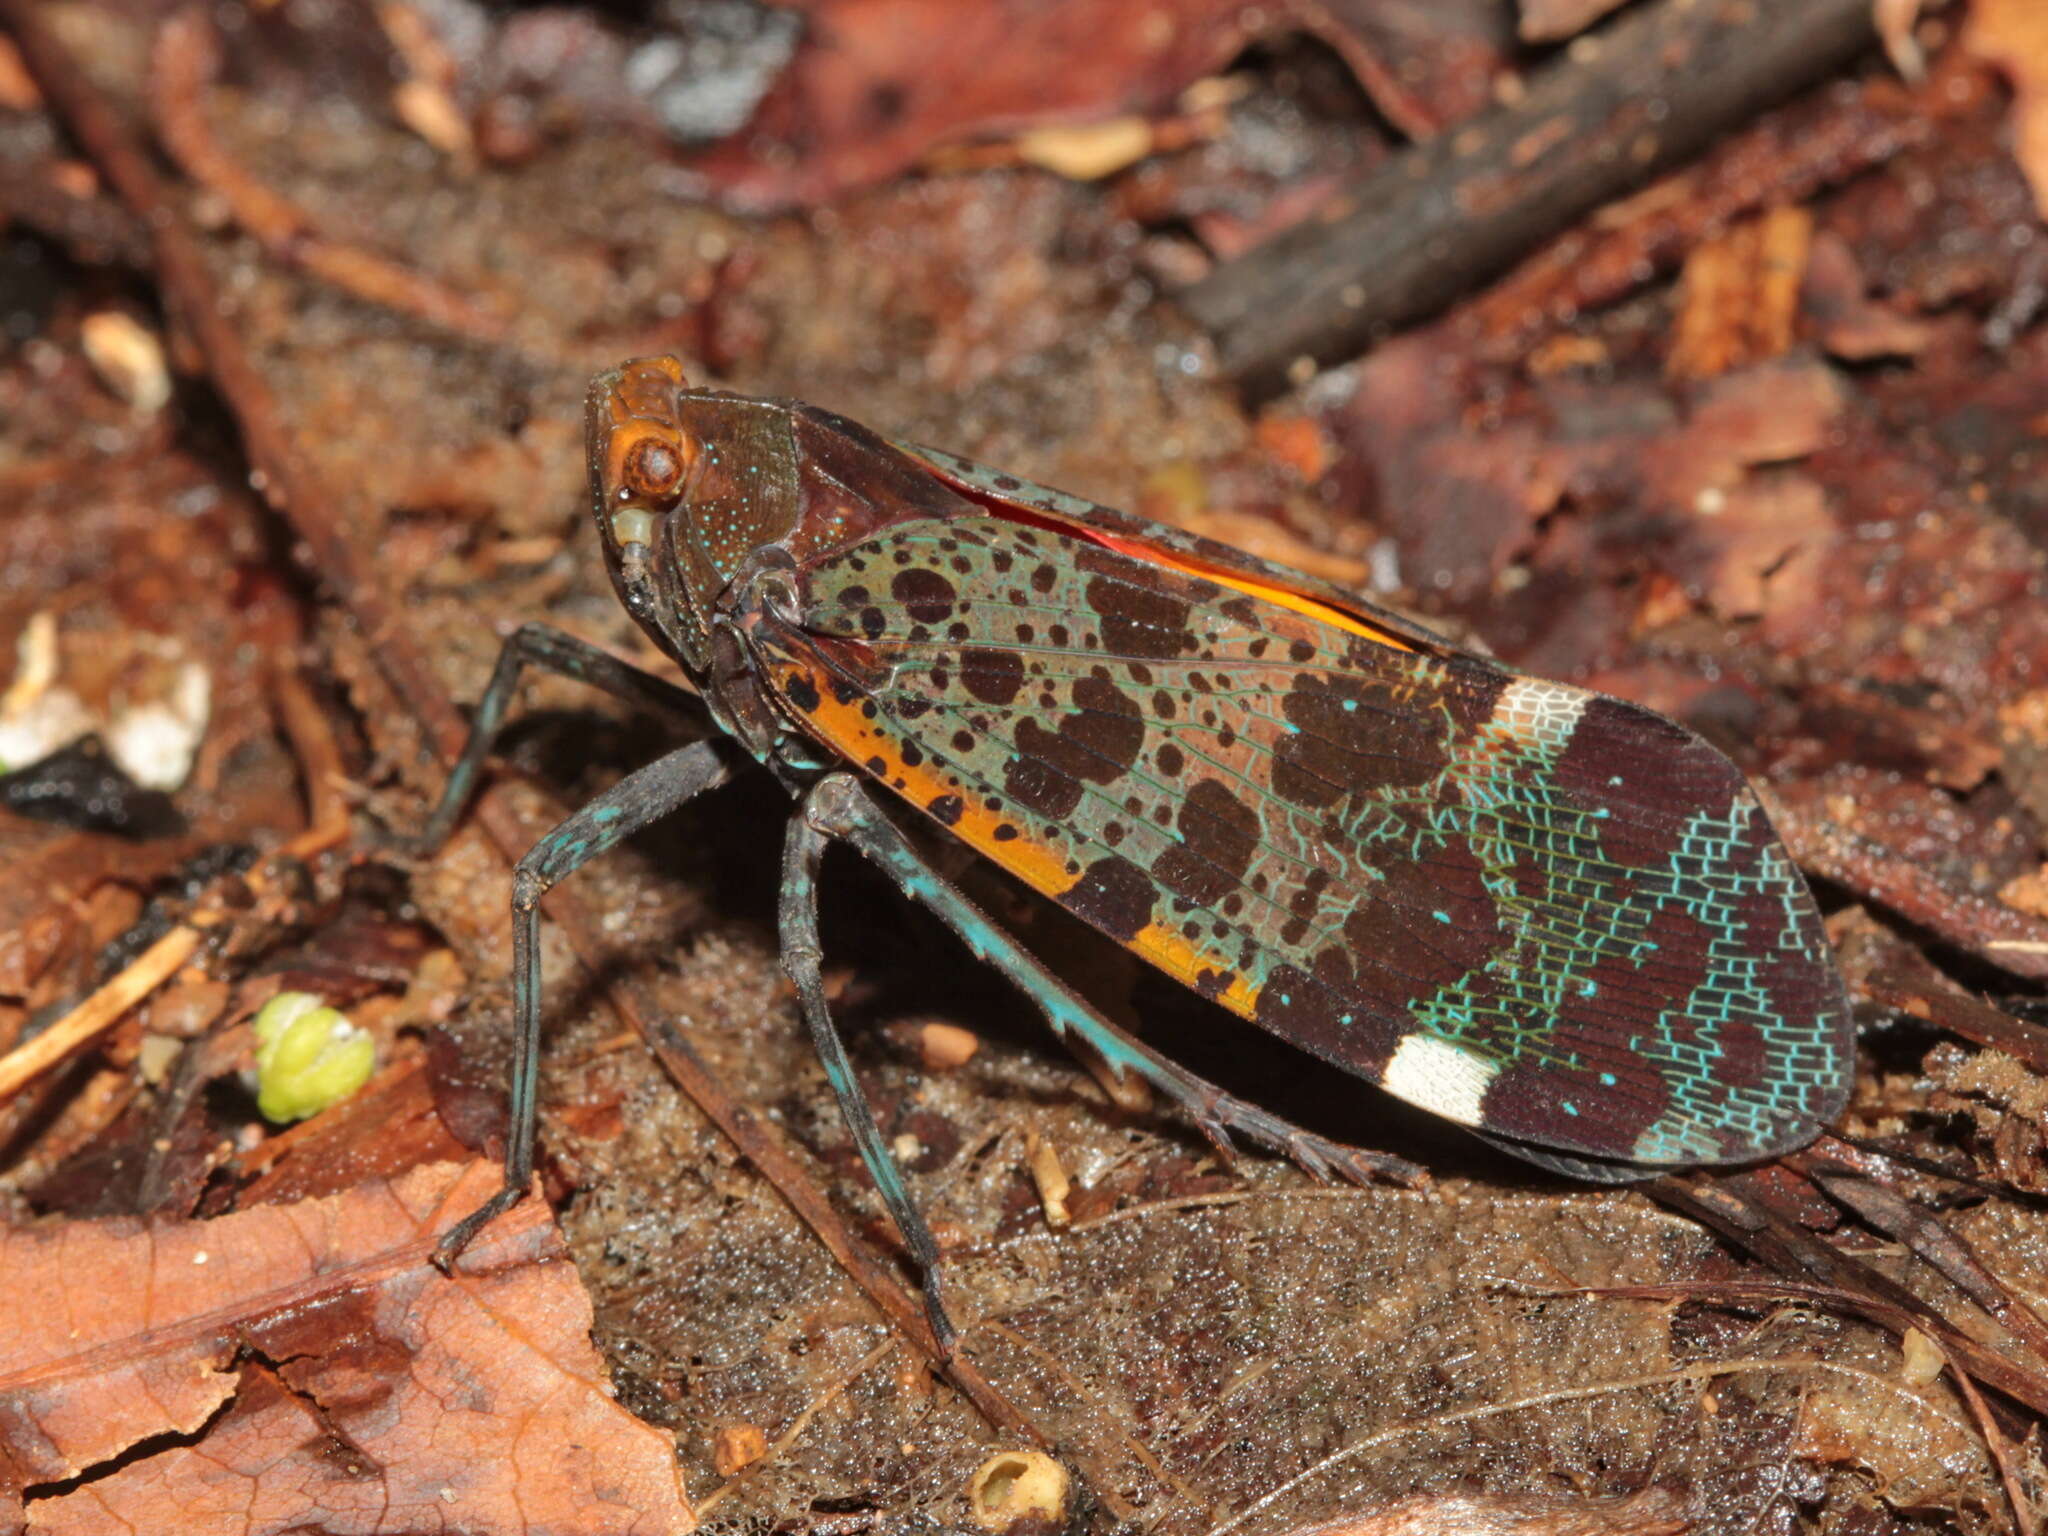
[{"x": 1551, "y": 916}]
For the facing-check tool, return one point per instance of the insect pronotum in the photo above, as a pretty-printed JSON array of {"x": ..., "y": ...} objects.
[{"x": 1551, "y": 916}]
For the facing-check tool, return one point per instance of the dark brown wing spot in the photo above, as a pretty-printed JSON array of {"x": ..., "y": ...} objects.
[
  {"x": 801, "y": 692},
  {"x": 1651, "y": 775},
  {"x": 1115, "y": 895},
  {"x": 1097, "y": 744},
  {"x": 1316, "y": 1009},
  {"x": 1038, "y": 788},
  {"x": 1529, "y": 1099},
  {"x": 992, "y": 676},
  {"x": 925, "y": 595},
  {"x": 1426, "y": 925},
  {"x": 1219, "y": 834},
  {"x": 1351, "y": 734},
  {"x": 1138, "y": 620}
]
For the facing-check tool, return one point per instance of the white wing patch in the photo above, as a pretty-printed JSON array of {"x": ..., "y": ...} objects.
[
  {"x": 1533, "y": 711},
  {"x": 1443, "y": 1078}
]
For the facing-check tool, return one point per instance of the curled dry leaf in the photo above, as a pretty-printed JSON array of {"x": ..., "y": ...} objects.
[
  {"x": 1895, "y": 22},
  {"x": 305, "y": 1368}
]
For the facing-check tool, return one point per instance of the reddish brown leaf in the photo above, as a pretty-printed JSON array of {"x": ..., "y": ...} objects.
[
  {"x": 1848, "y": 322},
  {"x": 877, "y": 84},
  {"x": 318, "y": 1374},
  {"x": 2013, "y": 35},
  {"x": 1739, "y": 295},
  {"x": 1552, "y": 21}
]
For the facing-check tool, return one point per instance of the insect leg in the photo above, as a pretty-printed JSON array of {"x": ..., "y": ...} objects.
[
  {"x": 636, "y": 801},
  {"x": 841, "y": 807},
  {"x": 801, "y": 958},
  {"x": 542, "y": 646}
]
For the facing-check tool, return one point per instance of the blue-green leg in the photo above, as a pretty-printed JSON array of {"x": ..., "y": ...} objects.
[
  {"x": 802, "y": 957},
  {"x": 636, "y": 801},
  {"x": 535, "y": 645},
  {"x": 840, "y": 807}
]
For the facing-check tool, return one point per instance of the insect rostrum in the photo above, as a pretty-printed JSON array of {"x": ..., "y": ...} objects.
[{"x": 1554, "y": 917}]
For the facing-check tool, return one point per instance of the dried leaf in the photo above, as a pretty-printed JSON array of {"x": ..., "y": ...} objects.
[
  {"x": 1767, "y": 536},
  {"x": 335, "y": 1381},
  {"x": 876, "y": 85},
  {"x": 1552, "y": 21},
  {"x": 1895, "y": 20},
  {"x": 1653, "y": 1512},
  {"x": 2013, "y": 36},
  {"x": 1848, "y": 322},
  {"x": 1740, "y": 294}
]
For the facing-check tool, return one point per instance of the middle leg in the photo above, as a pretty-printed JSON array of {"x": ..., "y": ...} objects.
[{"x": 802, "y": 958}]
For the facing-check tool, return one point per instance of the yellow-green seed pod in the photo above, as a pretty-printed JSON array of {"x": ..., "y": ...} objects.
[{"x": 308, "y": 1056}]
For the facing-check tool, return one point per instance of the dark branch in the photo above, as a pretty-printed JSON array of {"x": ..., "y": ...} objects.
[{"x": 1634, "y": 99}]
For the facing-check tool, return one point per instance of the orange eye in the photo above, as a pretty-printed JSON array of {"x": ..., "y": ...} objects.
[{"x": 653, "y": 469}]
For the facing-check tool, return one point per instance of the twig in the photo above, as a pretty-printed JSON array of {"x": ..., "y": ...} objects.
[
  {"x": 1949, "y": 1253},
  {"x": 185, "y": 61},
  {"x": 1789, "y": 1249},
  {"x": 1782, "y": 160},
  {"x": 1643, "y": 94},
  {"x": 92, "y": 228},
  {"x": 1988, "y": 929},
  {"x": 1159, "y": 1207},
  {"x": 312, "y": 739},
  {"x": 105, "y": 1007},
  {"x": 133, "y": 982},
  {"x": 1913, "y": 986},
  {"x": 322, "y": 524}
]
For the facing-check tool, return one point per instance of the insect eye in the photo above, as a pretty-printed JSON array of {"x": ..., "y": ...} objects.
[{"x": 653, "y": 470}]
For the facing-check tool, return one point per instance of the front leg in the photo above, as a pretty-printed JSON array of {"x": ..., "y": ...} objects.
[
  {"x": 636, "y": 801},
  {"x": 537, "y": 645}
]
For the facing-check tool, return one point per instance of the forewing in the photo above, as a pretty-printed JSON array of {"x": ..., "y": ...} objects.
[{"x": 1519, "y": 905}]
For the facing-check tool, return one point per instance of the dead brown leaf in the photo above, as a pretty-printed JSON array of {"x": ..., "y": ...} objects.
[
  {"x": 1552, "y": 21},
  {"x": 877, "y": 84},
  {"x": 1739, "y": 295},
  {"x": 305, "y": 1368},
  {"x": 2012, "y": 35},
  {"x": 1767, "y": 536},
  {"x": 1653, "y": 1512},
  {"x": 1846, "y": 320}
]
